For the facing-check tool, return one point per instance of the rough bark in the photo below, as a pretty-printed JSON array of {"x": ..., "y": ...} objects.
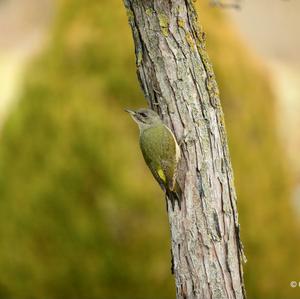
[{"x": 178, "y": 81}]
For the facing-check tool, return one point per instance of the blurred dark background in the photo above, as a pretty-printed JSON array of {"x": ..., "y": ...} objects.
[{"x": 80, "y": 214}]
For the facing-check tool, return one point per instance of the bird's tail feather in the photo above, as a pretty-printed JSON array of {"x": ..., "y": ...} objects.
[{"x": 175, "y": 196}]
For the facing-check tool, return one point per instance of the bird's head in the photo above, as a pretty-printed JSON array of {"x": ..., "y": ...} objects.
[{"x": 145, "y": 118}]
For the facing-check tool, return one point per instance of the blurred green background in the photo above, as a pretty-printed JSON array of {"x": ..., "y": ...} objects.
[{"x": 80, "y": 215}]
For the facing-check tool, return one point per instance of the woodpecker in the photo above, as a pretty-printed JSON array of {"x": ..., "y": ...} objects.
[{"x": 160, "y": 150}]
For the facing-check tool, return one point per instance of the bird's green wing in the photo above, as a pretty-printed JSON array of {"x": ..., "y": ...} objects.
[{"x": 161, "y": 153}]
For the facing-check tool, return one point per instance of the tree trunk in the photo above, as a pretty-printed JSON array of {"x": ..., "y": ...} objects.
[{"x": 178, "y": 81}]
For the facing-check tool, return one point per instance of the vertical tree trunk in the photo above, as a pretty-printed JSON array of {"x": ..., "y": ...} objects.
[{"x": 178, "y": 81}]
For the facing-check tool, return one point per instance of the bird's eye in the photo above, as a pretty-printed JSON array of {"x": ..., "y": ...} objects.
[{"x": 143, "y": 114}]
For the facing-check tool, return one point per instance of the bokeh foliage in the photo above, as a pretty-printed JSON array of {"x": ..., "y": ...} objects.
[{"x": 81, "y": 217}]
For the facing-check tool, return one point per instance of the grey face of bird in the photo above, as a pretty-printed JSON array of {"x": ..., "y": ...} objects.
[{"x": 145, "y": 118}]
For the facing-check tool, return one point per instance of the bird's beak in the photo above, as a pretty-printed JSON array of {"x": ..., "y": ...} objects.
[{"x": 131, "y": 112}]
